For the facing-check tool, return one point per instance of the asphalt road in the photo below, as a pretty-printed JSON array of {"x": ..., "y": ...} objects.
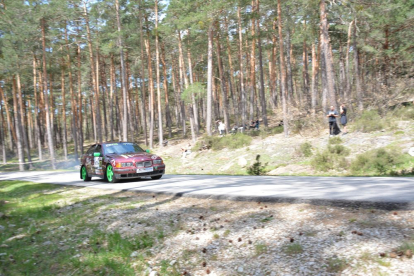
[{"x": 382, "y": 191}]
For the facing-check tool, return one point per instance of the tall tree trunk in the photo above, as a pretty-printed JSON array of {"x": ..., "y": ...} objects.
[
  {"x": 45, "y": 91},
  {"x": 222, "y": 84},
  {"x": 123, "y": 75},
  {"x": 151, "y": 88},
  {"x": 20, "y": 153},
  {"x": 36, "y": 113},
  {"x": 64, "y": 136},
  {"x": 167, "y": 102},
  {"x": 111, "y": 97},
  {"x": 262, "y": 87},
  {"x": 305, "y": 75},
  {"x": 289, "y": 69},
  {"x": 315, "y": 69},
  {"x": 72, "y": 99},
  {"x": 157, "y": 58},
  {"x": 232, "y": 83},
  {"x": 10, "y": 125},
  {"x": 209, "y": 79},
  {"x": 194, "y": 108},
  {"x": 283, "y": 71},
  {"x": 356, "y": 71},
  {"x": 348, "y": 78},
  {"x": 253, "y": 64},
  {"x": 327, "y": 55},
  {"x": 183, "y": 79},
  {"x": 143, "y": 96},
  {"x": 3, "y": 136},
  {"x": 79, "y": 77},
  {"x": 242, "y": 90},
  {"x": 95, "y": 78}
]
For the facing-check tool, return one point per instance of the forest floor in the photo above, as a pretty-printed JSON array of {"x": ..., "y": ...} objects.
[{"x": 56, "y": 230}]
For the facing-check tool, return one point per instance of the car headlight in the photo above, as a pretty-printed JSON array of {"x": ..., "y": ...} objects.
[
  {"x": 158, "y": 161},
  {"x": 124, "y": 164}
]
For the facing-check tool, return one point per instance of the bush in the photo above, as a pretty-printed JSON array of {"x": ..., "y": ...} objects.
[
  {"x": 332, "y": 157},
  {"x": 335, "y": 140},
  {"x": 378, "y": 161},
  {"x": 404, "y": 112},
  {"x": 257, "y": 168},
  {"x": 305, "y": 149},
  {"x": 369, "y": 121},
  {"x": 229, "y": 141}
]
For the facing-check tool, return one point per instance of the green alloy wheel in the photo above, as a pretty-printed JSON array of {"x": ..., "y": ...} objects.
[
  {"x": 110, "y": 174},
  {"x": 84, "y": 174}
]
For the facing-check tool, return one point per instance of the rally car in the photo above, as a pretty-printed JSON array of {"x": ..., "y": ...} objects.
[{"x": 123, "y": 160}]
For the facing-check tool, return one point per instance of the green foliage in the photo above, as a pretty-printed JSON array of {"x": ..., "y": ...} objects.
[
  {"x": 404, "y": 113},
  {"x": 305, "y": 149},
  {"x": 197, "y": 89},
  {"x": 369, "y": 121},
  {"x": 294, "y": 248},
  {"x": 335, "y": 140},
  {"x": 236, "y": 141},
  {"x": 378, "y": 161},
  {"x": 260, "y": 248},
  {"x": 257, "y": 168},
  {"x": 336, "y": 265},
  {"x": 333, "y": 157}
]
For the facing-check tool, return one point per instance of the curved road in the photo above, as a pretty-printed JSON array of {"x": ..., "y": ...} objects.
[{"x": 382, "y": 192}]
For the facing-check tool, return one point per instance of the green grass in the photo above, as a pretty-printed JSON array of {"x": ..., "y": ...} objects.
[
  {"x": 336, "y": 265},
  {"x": 380, "y": 161},
  {"x": 260, "y": 248},
  {"x": 293, "y": 248},
  {"x": 51, "y": 240}
]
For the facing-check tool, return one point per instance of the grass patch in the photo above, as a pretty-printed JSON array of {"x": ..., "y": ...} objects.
[
  {"x": 49, "y": 232},
  {"x": 332, "y": 157},
  {"x": 377, "y": 162},
  {"x": 260, "y": 248},
  {"x": 293, "y": 248},
  {"x": 216, "y": 143},
  {"x": 369, "y": 121},
  {"x": 336, "y": 265},
  {"x": 305, "y": 150}
]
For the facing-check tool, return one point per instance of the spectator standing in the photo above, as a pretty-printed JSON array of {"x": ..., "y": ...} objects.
[
  {"x": 221, "y": 128},
  {"x": 333, "y": 126},
  {"x": 344, "y": 119}
]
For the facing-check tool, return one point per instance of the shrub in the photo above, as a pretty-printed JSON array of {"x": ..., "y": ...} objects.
[
  {"x": 229, "y": 141},
  {"x": 305, "y": 149},
  {"x": 378, "y": 161},
  {"x": 332, "y": 157},
  {"x": 257, "y": 168},
  {"x": 335, "y": 140},
  {"x": 369, "y": 121}
]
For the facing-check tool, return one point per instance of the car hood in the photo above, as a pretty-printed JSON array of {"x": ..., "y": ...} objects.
[{"x": 139, "y": 156}]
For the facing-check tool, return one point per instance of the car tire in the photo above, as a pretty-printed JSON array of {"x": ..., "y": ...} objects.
[
  {"x": 109, "y": 174},
  {"x": 84, "y": 174},
  {"x": 156, "y": 177}
]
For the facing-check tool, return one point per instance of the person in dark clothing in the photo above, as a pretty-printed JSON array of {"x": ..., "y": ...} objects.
[
  {"x": 333, "y": 126},
  {"x": 344, "y": 119}
]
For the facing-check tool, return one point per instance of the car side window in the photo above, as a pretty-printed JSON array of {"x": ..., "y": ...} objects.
[
  {"x": 90, "y": 150},
  {"x": 98, "y": 148}
]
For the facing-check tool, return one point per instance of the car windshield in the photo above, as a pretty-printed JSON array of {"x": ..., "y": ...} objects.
[{"x": 122, "y": 148}]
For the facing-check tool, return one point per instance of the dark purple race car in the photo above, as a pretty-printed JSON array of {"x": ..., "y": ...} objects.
[{"x": 123, "y": 160}]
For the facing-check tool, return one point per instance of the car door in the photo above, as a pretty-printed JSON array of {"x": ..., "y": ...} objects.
[
  {"x": 97, "y": 161},
  {"x": 89, "y": 159}
]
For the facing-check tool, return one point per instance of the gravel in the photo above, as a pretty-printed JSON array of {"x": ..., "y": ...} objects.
[{"x": 251, "y": 238}]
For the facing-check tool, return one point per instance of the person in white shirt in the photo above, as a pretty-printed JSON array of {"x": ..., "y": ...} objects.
[{"x": 221, "y": 128}]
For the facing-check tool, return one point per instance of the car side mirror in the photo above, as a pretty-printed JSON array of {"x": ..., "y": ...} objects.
[
  {"x": 147, "y": 151},
  {"x": 97, "y": 154}
]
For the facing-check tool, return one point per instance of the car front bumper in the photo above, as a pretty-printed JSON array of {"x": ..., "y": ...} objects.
[{"x": 128, "y": 173}]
